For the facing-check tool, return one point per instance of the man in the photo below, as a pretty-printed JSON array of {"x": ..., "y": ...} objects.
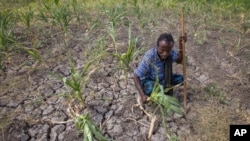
[{"x": 153, "y": 64}]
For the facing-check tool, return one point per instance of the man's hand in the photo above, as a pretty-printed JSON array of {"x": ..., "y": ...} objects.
[
  {"x": 144, "y": 98},
  {"x": 183, "y": 38}
]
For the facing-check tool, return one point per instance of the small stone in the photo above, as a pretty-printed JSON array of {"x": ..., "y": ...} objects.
[
  {"x": 169, "y": 119},
  {"x": 143, "y": 130},
  {"x": 185, "y": 129},
  {"x": 70, "y": 134},
  {"x": 32, "y": 132},
  {"x": 56, "y": 85},
  {"x": 59, "y": 116},
  {"x": 124, "y": 92},
  {"x": 43, "y": 138},
  {"x": 55, "y": 132},
  {"x": 47, "y": 92},
  {"x": 32, "y": 139},
  {"x": 117, "y": 130},
  {"x": 133, "y": 132},
  {"x": 125, "y": 137},
  {"x": 115, "y": 88},
  {"x": 5, "y": 110},
  {"x": 3, "y": 101},
  {"x": 44, "y": 106},
  {"x": 13, "y": 104},
  {"x": 177, "y": 116},
  {"x": 37, "y": 112},
  {"x": 110, "y": 123},
  {"x": 29, "y": 108},
  {"x": 98, "y": 118},
  {"x": 109, "y": 114},
  {"x": 119, "y": 109},
  {"x": 52, "y": 100},
  {"x": 102, "y": 86},
  {"x": 202, "y": 78},
  {"x": 101, "y": 109},
  {"x": 122, "y": 85},
  {"x": 48, "y": 110},
  {"x": 158, "y": 137},
  {"x": 173, "y": 126}
]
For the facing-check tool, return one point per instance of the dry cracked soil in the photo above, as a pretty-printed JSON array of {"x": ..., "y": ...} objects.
[{"x": 218, "y": 81}]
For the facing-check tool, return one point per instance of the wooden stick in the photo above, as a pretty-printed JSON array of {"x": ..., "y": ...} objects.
[{"x": 184, "y": 61}]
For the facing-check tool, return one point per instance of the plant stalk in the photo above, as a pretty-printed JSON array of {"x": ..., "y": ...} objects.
[{"x": 184, "y": 62}]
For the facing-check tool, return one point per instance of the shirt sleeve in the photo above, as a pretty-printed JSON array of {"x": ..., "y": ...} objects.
[
  {"x": 143, "y": 68},
  {"x": 174, "y": 55}
]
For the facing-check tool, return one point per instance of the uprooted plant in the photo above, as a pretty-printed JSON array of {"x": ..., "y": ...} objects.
[{"x": 167, "y": 105}]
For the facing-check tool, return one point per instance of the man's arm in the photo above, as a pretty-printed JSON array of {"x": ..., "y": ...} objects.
[
  {"x": 180, "y": 57},
  {"x": 138, "y": 86},
  {"x": 180, "y": 54}
]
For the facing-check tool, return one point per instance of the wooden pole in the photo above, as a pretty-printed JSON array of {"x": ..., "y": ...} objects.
[{"x": 184, "y": 62}]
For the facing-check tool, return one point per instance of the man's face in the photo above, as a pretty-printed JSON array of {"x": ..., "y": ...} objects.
[{"x": 164, "y": 49}]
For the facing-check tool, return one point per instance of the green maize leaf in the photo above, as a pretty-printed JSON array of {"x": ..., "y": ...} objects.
[
  {"x": 176, "y": 109},
  {"x": 85, "y": 138},
  {"x": 96, "y": 131},
  {"x": 79, "y": 96},
  {"x": 85, "y": 68},
  {"x": 123, "y": 56},
  {"x": 74, "y": 86},
  {"x": 56, "y": 2},
  {"x": 34, "y": 55},
  {"x": 168, "y": 103},
  {"x": 117, "y": 56},
  {"x": 87, "y": 132},
  {"x": 73, "y": 69}
]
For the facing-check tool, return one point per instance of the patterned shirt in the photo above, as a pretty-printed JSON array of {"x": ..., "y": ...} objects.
[{"x": 146, "y": 69}]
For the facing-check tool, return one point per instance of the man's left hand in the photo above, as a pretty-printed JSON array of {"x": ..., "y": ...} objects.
[{"x": 183, "y": 38}]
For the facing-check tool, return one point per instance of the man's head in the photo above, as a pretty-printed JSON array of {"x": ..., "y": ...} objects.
[{"x": 165, "y": 44}]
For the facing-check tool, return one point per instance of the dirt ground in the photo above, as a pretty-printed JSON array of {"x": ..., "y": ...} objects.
[{"x": 218, "y": 79}]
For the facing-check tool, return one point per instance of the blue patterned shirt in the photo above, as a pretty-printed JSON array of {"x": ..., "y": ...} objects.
[{"x": 146, "y": 68}]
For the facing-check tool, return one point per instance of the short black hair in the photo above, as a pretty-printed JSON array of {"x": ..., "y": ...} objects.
[{"x": 165, "y": 37}]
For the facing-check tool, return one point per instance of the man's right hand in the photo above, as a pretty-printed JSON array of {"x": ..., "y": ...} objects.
[{"x": 144, "y": 98}]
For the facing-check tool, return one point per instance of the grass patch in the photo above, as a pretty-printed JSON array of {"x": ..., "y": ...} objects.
[{"x": 214, "y": 91}]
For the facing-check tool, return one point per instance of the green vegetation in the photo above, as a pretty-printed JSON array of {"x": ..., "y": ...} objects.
[
  {"x": 78, "y": 78},
  {"x": 167, "y": 105},
  {"x": 125, "y": 59},
  {"x": 213, "y": 90},
  {"x": 89, "y": 129}
]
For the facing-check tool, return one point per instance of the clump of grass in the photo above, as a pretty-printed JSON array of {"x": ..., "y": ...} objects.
[
  {"x": 213, "y": 90},
  {"x": 26, "y": 17},
  {"x": 89, "y": 129},
  {"x": 62, "y": 16},
  {"x": 56, "y": 13},
  {"x": 200, "y": 36},
  {"x": 115, "y": 14},
  {"x": 6, "y": 31},
  {"x": 6, "y": 35}
]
